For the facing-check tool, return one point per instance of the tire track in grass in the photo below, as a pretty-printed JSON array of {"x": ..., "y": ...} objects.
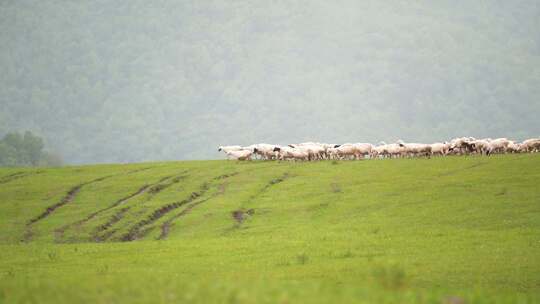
[
  {"x": 59, "y": 232},
  {"x": 14, "y": 176},
  {"x": 119, "y": 215},
  {"x": 140, "y": 229},
  {"x": 113, "y": 220},
  {"x": 69, "y": 197},
  {"x": 7, "y": 178},
  {"x": 457, "y": 170},
  {"x": 65, "y": 200},
  {"x": 240, "y": 215},
  {"x": 140, "y": 191},
  {"x": 135, "y": 231},
  {"x": 166, "y": 226}
]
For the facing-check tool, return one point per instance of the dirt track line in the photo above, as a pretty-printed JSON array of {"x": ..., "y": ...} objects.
[
  {"x": 454, "y": 171},
  {"x": 270, "y": 184},
  {"x": 66, "y": 199},
  {"x": 136, "y": 170},
  {"x": 166, "y": 226},
  {"x": 70, "y": 196},
  {"x": 137, "y": 230},
  {"x": 153, "y": 190},
  {"x": 241, "y": 214},
  {"x": 113, "y": 220},
  {"x": 60, "y": 231},
  {"x": 11, "y": 177}
]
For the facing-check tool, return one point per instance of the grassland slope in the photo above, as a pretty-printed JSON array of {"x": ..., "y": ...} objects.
[{"x": 394, "y": 231}]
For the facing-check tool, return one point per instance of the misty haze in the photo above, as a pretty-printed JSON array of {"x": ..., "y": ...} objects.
[
  {"x": 138, "y": 80},
  {"x": 283, "y": 151}
]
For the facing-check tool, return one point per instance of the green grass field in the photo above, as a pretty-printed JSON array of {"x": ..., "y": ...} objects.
[{"x": 442, "y": 230}]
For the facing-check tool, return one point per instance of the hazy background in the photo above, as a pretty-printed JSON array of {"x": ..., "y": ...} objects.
[{"x": 125, "y": 81}]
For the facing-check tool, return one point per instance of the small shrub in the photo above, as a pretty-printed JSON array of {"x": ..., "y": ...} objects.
[
  {"x": 453, "y": 300},
  {"x": 283, "y": 263},
  {"x": 335, "y": 188},
  {"x": 104, "y": 269},
  {"x": 392, "y": 277},
  {"x": 302, "y": 259},
  {"x": 52, "y": 256},
  {"x": 347, "y": 255},
  {"x": 156, "y": 189}
]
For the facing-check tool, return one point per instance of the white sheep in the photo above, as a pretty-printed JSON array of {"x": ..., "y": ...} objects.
[
  {"x": 440, "y": 148},
  {"x": 229, "y": 148},
  {"x": 240, "y": 154},
  {"x": 530, "y": 145},
  {"x": 497, "y": 145}
]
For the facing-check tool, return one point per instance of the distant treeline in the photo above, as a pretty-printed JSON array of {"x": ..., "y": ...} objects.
[
  {"x": 25, "y": 150},
  {"x": 168, "y": 80}
]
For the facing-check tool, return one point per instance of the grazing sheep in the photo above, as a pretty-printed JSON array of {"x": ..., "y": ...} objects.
[
  {"x": 240, "y": 155},
  {"x": 363, "y": 150},
  {"x": 346, "y": 151},
  {"x": 440, "y": 148},
  {"x": 497, "y": 145},
  {"x": 394, "y": 150},
  {"x": 319, "y": 151},
  {"x": 512, "y": 147},
  {"x": 530, "y": 145},
  {"x": 288, "y": 153},
  {"x": 481, "y": 145},
  {"x": 378, "y": 151},
  {"x": 463, "y": 145},
  {"x": 314, "y": 150},
  {"x": 265, "y": 151},
  {"x": 229, "y": 148},
  {"x": 414, "y": 149}
]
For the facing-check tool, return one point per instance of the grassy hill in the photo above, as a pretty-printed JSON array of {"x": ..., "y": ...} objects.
[{"x": 381, "y": 231}]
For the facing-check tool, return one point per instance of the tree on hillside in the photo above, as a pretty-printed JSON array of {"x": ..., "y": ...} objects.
[{"x": 25, "y": 150}]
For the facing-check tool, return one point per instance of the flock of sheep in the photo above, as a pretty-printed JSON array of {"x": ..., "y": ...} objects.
[{"x": 319, "y": 151}]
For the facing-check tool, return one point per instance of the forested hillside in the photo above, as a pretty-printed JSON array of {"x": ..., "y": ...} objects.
[{"x": 115, "y": 81}]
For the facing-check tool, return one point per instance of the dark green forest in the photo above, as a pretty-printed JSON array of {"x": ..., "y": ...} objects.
[{"x": 126, "y": 81}]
